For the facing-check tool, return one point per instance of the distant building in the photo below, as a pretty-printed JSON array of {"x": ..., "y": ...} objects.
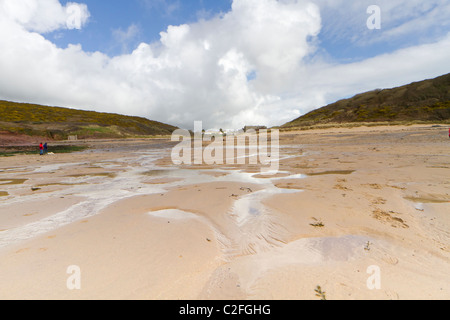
[
  {"x": 255, "y": 128},
  {"x": 72, "y": 138}
]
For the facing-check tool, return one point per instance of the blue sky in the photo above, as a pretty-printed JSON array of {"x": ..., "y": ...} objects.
[
  {"x": 228, "y": 63},
  {"x": 150, "y": 17}
]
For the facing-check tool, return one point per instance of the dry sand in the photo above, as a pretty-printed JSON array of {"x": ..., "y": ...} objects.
[{"x": 138, "y": 227}]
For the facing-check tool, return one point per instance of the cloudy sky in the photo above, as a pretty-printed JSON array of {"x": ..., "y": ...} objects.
[{"x": 226, "y": 63}]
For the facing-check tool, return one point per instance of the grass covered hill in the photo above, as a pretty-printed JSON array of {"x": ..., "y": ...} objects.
[
  {"x": 59, "y": 123},
  {"x": 420, "y": 102}
]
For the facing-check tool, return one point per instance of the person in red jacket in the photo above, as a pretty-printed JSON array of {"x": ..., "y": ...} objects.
[{"x": 41, "y": 149}]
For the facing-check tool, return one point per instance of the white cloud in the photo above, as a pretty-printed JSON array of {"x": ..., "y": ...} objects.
[
  {"x": 126, "y": 38},
  {"x": 165, "y": 7},
  {"x": 328, "y": 83},
  {"x": 401, "y": 19},
  {"x": 251, "y": 65},
  {"x": 44, "y": 15}
]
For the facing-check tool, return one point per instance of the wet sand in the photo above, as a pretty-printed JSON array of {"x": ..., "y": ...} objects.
[{"x": 139, "y": 227}]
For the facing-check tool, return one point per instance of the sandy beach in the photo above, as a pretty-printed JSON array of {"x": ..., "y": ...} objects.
[{"x": 364, "y": 213}]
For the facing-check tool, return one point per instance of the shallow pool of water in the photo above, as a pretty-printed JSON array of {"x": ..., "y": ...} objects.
[{"x": 172, "y": 214}]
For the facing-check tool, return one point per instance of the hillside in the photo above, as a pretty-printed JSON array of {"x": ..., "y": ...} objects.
[
  {"x": 425, "y": 101},
  {"x": 55, "y": 123}
]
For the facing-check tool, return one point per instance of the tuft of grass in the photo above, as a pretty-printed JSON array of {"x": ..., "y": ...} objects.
[
  {"x": 320, "y": 293},
  {"x": 317, "y": 223}
]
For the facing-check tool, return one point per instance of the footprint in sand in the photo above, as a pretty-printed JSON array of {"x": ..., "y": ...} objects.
[
  {"x": 390, "y": 260},
  {"x": 386, "y": 217},
  {"x": 341, "y": 187},
  {"x": 375, "y": 186},
  {"x": 22, "y": 250},
  {"x": 392, "y": 295},
  {"x": 29, "y": 214},
  {"x": 379, "y": 200}
]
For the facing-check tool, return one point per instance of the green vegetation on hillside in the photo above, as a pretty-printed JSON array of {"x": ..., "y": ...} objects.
[
  {"x": 12, "y": 151},
  {"x": 421, "y": 102},
  {"x": 59, "y": 123}
]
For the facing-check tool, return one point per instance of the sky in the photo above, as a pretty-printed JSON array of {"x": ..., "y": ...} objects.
[{"x": 227, "y": 63}]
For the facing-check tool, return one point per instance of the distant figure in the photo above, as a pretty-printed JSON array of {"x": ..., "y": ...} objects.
[
  {"x": 449, "y": 133},
  {"x": 41, "y": 149},
  {"x": 45, "y": 148}
]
